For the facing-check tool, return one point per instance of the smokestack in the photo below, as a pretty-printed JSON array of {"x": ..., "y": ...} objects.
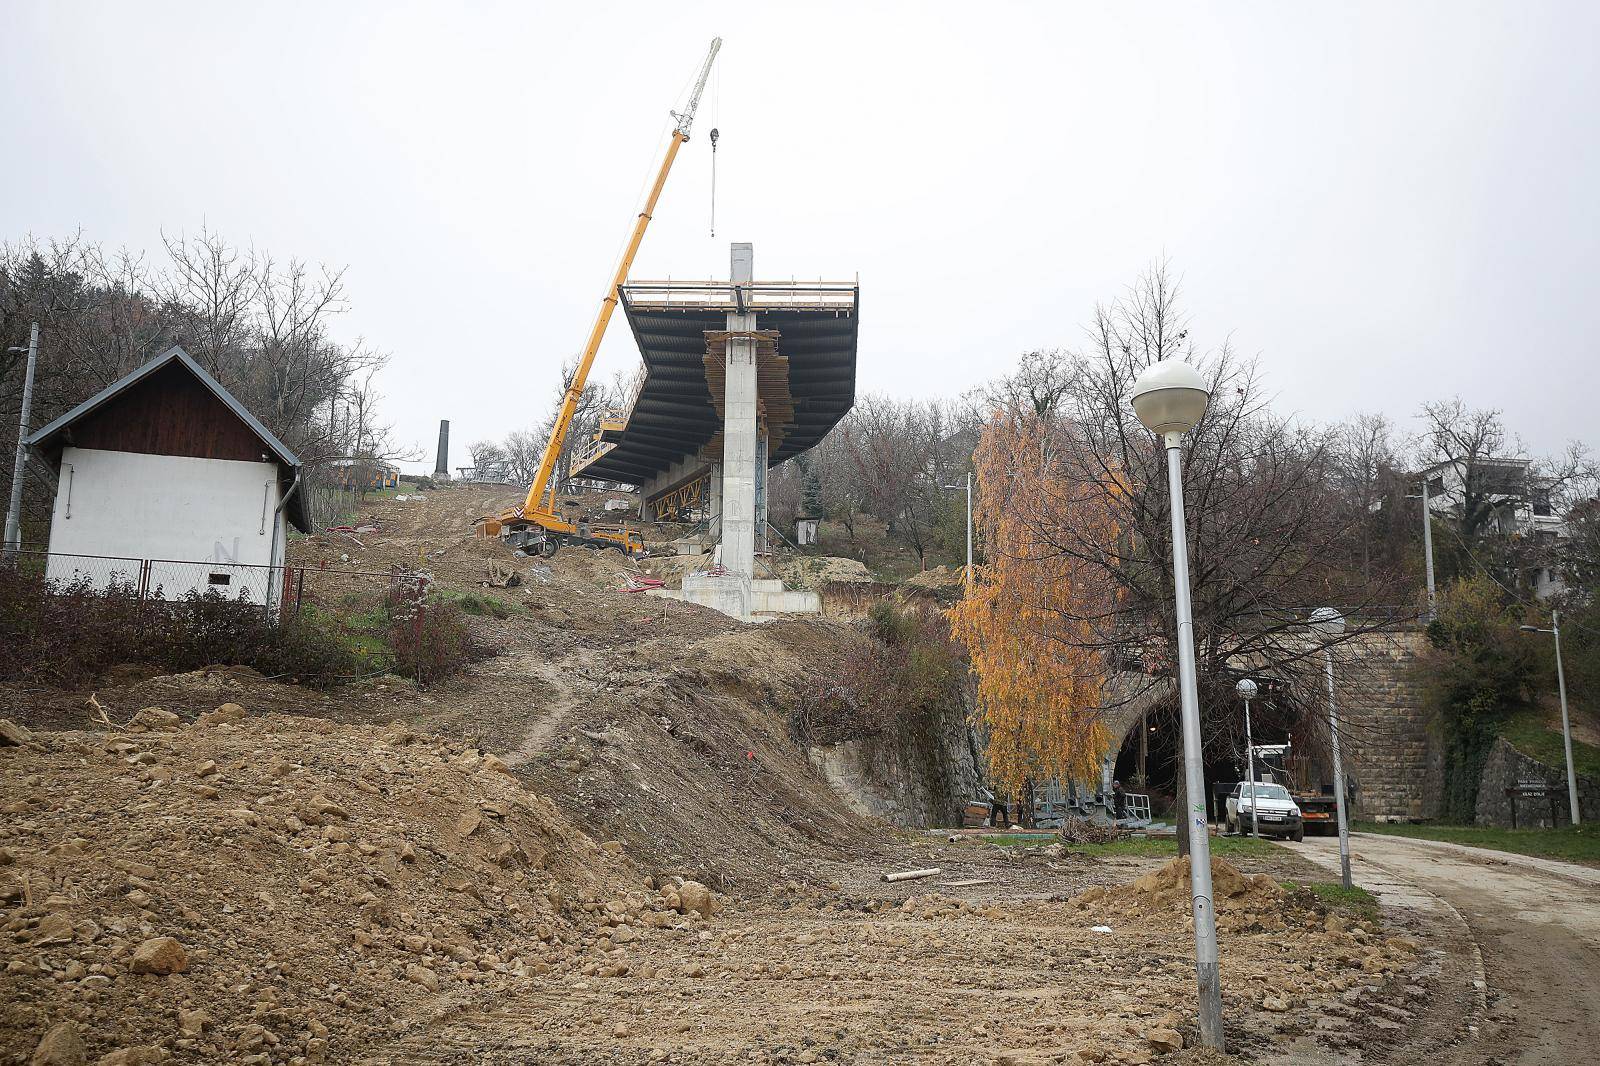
[{"x": 441, "y": 465}]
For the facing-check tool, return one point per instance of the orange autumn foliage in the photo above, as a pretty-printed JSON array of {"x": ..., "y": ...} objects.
[{"x": 1030, "y": 614}]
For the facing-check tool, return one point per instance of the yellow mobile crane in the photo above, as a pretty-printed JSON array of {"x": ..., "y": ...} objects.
[{"x": 536, "y": 525}]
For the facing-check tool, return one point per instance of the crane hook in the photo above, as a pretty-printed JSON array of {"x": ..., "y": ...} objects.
[{"x": 714, "y": 135}]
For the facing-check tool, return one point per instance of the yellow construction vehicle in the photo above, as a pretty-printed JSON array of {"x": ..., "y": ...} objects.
[{"x": 536, "y": 525}]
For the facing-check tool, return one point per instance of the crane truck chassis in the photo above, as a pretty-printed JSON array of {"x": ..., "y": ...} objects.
[{"x": 539, "y": 540}]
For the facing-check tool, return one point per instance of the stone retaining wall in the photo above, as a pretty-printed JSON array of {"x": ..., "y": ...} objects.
[
  {"x": 1384, "y": 734},
  {"x": 1506, "y": 767}
]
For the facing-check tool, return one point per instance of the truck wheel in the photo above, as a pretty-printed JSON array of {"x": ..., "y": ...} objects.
[
  {"x": 547, "y": 547},
  {"x": 1299, "y": 834}
]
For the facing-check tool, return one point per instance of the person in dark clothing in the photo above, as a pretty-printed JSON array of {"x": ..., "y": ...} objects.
[
  {"x": 1119, "y": 800},
  {"x": 997, "y": 809}
]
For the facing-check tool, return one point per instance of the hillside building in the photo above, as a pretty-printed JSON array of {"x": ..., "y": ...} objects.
[{"x": 166, "y": 471}]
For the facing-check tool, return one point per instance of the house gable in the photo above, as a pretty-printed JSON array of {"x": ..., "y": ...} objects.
[
  {"x": 171, "y": 407},
  {"x": 169, "y": 412}
]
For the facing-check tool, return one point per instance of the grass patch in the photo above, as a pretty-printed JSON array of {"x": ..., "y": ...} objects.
[
  {"x": 474, "y": 604},
  {"x": 1529, "y": 734},
  {"x": 364, "y": 634},
  {"x": 1012, "y": 840},
  {"x": 1336, "y": 897},
  {"x": 1144, "y": 847},
  {"x": 1580, "y": 844}
]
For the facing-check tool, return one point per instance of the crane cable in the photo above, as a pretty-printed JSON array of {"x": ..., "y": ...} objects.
[{"x": 716, "y": 113}]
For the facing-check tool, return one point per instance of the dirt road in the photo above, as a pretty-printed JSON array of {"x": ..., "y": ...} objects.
[{"x": 1534, "y": 923}]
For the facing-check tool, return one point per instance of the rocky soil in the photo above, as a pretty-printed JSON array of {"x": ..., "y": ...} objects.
[
  {"x": 851, "y": 972},
  {"x": 219, "y": 867},
  {"x": 273, "y": 888}
]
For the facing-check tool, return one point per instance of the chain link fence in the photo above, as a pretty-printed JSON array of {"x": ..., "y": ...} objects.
[{"x": 281, "y": 591}]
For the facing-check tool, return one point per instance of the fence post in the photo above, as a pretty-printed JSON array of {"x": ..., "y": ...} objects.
[
  {"x": 144, "y": 595},
  {"x": 422, "y": 594},
  {"x": 283, "y": 595}
]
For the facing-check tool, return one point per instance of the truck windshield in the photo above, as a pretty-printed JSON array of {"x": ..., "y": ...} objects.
[{"x": 1266, "y": 792}]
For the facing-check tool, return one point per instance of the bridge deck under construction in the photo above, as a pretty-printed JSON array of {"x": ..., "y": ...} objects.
[{"x": 806, "y": 346}]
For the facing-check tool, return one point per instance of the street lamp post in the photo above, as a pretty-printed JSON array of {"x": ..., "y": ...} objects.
[
  {"x": 1169, "y": 399},
  {"x": 1566, "y": 722},
  {"x": 1247, "y": 692},
  {"x": 1328, "y": 625}
]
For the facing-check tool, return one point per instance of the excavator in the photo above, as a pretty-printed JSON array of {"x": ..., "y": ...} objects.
[{"x": 537, "y": 526}]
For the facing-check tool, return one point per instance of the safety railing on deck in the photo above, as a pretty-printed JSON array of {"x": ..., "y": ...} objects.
[{"x": 797, "y": 295}]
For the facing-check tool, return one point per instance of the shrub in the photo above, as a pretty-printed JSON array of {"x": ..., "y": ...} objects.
[
  {"x": 483, "y": 605},
  {"x": 902, "y": 667},
  {"x": 428, "y": 636},
  {"x": 66, "y": 634},
  {"x": 1479, "y": 675}
]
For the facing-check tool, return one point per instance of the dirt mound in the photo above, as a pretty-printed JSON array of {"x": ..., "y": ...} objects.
[
  {"x": 1167, "y": 888},
  {"x": 939, "y": 577},
  {"x": 814, "y": 571},
  {"x": 280, "y": 886}
]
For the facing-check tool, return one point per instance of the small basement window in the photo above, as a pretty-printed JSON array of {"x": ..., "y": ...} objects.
[{"x": 220, "y": 579}]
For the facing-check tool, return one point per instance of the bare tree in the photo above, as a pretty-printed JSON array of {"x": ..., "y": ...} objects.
[
  {"x": 259, "y": 327},
  {"x": 1270, "y": 540},
  {"x": 1365, "y": 461},
  {"x": 212, "y": 288},
  {"x": 484, "y": 453},
  {"x": 522, "y": 451},
  {"x": 1486, "y": 490}
]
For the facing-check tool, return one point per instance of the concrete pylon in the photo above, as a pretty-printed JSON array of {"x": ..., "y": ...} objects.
[{"x": 739, "y": 432}]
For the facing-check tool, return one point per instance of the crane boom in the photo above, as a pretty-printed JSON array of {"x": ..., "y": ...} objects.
[{"x": 539, "y": 507}]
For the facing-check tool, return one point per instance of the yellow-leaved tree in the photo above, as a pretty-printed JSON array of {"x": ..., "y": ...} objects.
[{"x": 1031, "y": 611}]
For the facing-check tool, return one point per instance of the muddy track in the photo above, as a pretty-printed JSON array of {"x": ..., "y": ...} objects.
[{"x": 1534, "y": 924}]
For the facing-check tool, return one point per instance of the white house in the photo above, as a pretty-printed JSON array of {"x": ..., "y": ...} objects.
[
  {"x": 164, "y": 480},
  {"x": 1518, "y": 499}
]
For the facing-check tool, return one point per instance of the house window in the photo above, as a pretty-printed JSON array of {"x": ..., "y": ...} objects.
[
  {"x": 1436, "y": 486},
  {"x": 1541, "y": 505}
]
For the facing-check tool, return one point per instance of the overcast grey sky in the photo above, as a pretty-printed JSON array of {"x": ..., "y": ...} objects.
[{"x": 1388, "y": 202}]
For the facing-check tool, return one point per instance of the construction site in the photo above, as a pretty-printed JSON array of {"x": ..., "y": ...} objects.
[
  {"x": 738, "y": 715},
  {"x": 632, "y": 852}
]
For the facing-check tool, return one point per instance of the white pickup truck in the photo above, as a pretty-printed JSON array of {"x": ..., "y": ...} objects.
[{"x": 1275, "y": 810}]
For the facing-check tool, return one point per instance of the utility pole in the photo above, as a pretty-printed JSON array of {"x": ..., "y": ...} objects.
[
  {"x": 1566, "y": 721},
  {"x": 13, "y": 534},
  {"x": 969, "y": 525},
  {"x": 1427, "y": 549}
]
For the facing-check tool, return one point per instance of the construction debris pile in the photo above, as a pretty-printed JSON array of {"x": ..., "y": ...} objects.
[
  {"x": 274, "y": 888},
  {"x": 1076, "y": 830}
]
